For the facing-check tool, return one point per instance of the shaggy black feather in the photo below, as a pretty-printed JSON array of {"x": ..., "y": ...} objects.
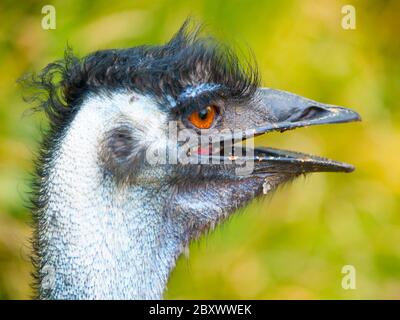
[{"x": 160, "y": 71}]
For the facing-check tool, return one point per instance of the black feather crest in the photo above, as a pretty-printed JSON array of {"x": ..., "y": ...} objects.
[{"x": 160, "y": 71}]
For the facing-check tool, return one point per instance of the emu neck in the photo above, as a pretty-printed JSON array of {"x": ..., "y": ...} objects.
[{"x": 98, "y": 240}]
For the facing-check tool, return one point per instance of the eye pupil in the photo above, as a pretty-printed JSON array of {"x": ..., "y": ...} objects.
[
  {"x": 204, "y": 118},
  {"x": 204, "y": 113}
]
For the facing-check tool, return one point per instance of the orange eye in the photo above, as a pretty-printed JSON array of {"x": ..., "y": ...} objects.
[{"x": 204, "y": 118}]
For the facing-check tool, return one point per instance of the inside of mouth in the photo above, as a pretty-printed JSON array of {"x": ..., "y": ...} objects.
[
  {"x": 236, "y": 151},
  {"x": 230, "y": 150},
  {"x": 226, "y": 149},
  {"x": 273, "y": 153}
]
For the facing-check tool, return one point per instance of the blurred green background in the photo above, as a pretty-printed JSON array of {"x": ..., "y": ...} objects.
[{"x": 292, "y": 244}]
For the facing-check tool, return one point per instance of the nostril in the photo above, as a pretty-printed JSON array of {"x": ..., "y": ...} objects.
[{"x": 310, "y": 113}]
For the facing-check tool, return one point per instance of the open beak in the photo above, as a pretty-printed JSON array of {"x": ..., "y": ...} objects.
[
  {"x": 292, "y": 111},
  {"x": 280, "y": 111}
]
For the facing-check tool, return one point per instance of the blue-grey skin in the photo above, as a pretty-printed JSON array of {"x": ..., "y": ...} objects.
[{"x": 108, "y": 240}]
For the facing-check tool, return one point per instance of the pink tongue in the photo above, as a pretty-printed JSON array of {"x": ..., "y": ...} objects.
[{"x": 203, "y": 151}]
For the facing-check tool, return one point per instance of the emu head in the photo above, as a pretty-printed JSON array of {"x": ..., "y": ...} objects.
[{"x": 148, "y": 148}]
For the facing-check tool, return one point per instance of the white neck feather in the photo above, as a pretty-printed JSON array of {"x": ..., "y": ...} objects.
[{"x": 102, "y": 241}]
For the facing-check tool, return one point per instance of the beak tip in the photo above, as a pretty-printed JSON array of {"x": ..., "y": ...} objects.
[
  {"x": 345, "y": 115},
  {"x": 356, "y": 116},
  {"x": 348, "y": 168}
]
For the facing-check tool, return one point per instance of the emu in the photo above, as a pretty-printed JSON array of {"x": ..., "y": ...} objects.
[{"x": 109, "y": 222}]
